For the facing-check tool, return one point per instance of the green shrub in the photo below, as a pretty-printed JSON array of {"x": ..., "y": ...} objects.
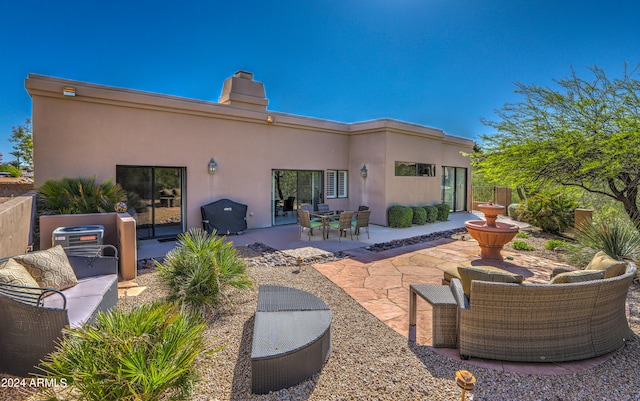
[
  {"x": 12, "y": 170},
  {"x": 78, "y": 196},
  {"x": 522, "y": 246},
  {"x": 144, "y": 354},
  {"x": 617, "y": 238},
  {"x": 556, "y": 244},
  {"x": 200, "y": 269},
  {"x": 432, "y": 213},
  {"x": 513, "y": 212},
  {"x": 443, "y": 211},
  {"x": 553, "y": 213},
  {"x": 522, "y": 235},
  {"x": 400, "y": 216},
  {"x": 419, "y": 216}
]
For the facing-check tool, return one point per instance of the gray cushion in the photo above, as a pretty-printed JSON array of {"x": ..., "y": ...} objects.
[{"x": 84, "y": 299}]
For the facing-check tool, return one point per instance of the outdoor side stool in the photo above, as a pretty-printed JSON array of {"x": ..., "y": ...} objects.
[{"x": 443, "y": 317}]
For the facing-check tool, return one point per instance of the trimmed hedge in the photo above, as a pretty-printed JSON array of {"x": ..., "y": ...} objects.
[
  {"x": 419, "y": 216},
  {"x": 400, "y": 216},
  {"x": 432, "y": 213},
  {"x": 443, "y": 211}
]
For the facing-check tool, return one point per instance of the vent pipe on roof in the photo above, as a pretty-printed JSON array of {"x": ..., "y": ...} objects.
[{"x": 242, "y": 92}]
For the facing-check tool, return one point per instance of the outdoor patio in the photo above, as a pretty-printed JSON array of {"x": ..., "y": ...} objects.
[
  {"x": 287, "y": 237},
  {"x": 380, "y": 281}
]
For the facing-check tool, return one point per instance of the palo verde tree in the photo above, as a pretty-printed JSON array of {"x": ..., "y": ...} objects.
[
  {"x": 22, "y": 138},
  {"x": 583, "y": 134}
]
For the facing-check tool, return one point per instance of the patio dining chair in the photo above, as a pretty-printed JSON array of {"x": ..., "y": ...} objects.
[
  {"x": 312, "y": 216},
  {"x": 361, "y": 221},
  {"x": 288, "y": 205},
  {"x": 306, "y": 222},
  {"x": 360, "y": 208},
  {"x": 323, "y": 208},
  {"x": 342, "y": 225}
]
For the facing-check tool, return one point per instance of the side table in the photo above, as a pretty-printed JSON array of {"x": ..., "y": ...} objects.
[{"x": 444, "y": 315}]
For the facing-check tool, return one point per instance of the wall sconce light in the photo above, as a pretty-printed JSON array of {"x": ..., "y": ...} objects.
[
  {"x": 68, "y": 91},
  {"x": 270, "y": 119},
  {"x": 213, "y": 166},
  {"x": 364, "y": 171}
]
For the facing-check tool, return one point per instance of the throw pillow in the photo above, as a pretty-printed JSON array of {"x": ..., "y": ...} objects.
[
  {"x": 50, "y": 268},
  {"x": 577, "y": 276},
  {"x": 486, "y": 273},
  {"x": 611, "y": 267},
  {"x": 14, "y": 273}
]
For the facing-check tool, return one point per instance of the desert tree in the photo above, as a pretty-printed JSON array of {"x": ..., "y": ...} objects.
[
  {"x": 582, "y": 133},
  {"x": 22, "y": 138}
]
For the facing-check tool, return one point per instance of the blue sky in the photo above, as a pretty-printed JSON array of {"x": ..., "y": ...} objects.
[{"x": 439, "y": 63}]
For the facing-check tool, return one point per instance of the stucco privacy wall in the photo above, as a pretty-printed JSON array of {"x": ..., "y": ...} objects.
[
  {"x": 101, "y": 127},
  {"x": 16, "y": 216}
]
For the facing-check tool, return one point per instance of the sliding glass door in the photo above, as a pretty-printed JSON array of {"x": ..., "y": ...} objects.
[
  {"x": 155, "y": 196},
  {"x": 292, "y": 189},
  {"x": 454, "y": 188}
]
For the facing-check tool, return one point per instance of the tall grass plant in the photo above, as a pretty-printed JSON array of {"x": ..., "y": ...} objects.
[
  {"x": 145, "y": 354},
  {"x": 201, "y": 268},
  {"x": 78, "y": 196}
]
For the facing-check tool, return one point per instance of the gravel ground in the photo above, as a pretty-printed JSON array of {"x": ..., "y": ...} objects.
[{"x": 370, "y": 361}]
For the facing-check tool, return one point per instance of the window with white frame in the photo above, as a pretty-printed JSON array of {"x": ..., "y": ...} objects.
[{"x": 337, "y": 183}]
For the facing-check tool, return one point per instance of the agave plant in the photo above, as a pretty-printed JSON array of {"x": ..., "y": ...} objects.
[
  {"x": 201, "y": 268},
  {"x": 617, "y": 238},
  {"x": 145, "y": 354},
  {"x": 79, "y": 195}
]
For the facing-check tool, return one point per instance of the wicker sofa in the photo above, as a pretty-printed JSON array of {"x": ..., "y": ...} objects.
[
  {"x": 32, "y": 318},
  {"x": 543, "y": 322}
]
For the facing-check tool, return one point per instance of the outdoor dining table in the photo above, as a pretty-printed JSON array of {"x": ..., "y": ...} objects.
[{"x": 326, "y": 218}]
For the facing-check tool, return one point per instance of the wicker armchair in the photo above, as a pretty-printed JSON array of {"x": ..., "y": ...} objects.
[
  {"x": 32, "y": 319},
  {"x": 543, "y": 322}
]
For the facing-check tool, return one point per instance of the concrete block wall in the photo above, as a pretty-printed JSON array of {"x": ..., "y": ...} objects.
[{"x": 16, "y": 217}]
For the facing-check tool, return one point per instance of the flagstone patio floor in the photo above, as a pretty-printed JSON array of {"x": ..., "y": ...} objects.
[{"x": 380, "y": 283}]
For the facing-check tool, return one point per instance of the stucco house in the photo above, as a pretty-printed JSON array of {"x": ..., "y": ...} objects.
[{"x": 174, "y": 155}]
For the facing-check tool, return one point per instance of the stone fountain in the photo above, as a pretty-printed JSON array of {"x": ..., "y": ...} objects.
[{"x": 491, "y": 235}]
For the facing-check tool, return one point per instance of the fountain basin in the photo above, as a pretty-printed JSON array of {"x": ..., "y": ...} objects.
[
  {"x": 491, "y": 211},
  {"x": 491, "y": 238}
]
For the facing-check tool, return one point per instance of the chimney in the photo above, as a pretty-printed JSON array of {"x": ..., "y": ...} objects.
[{"x": 242, "y": 92}]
